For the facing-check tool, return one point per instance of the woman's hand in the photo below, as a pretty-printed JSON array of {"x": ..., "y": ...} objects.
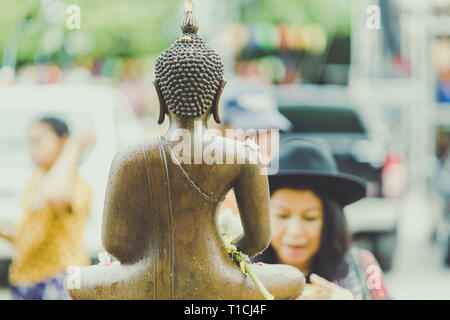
[
  {"x": 336, "y": 292},
  {"x": 327, "y": 290},
  {"x": 57, "y": 187},
  {"x": 84, "y": 139},
  {"x": 5, "y": 235}
]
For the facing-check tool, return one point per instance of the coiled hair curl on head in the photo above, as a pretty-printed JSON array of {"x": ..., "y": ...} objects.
[{"x": 189, "y": 73}]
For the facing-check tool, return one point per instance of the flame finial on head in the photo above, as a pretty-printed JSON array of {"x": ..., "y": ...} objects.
[
  {"x": 188, "y": 5},
  {"x": 190, "y": 22}
]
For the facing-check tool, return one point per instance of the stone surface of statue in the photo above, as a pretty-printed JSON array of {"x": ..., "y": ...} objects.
[{"x": 161, "y": 209}]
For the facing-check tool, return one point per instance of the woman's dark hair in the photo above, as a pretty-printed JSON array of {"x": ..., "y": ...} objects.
[
  {"x": 58, "y": 126},
  {"x": 335, "y": 240}
]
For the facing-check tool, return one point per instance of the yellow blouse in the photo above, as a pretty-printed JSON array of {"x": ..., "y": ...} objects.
[{"x": 48, "y": 241}]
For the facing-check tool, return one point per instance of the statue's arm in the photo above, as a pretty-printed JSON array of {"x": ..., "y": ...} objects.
[
  {"x": 252, "y": 196},
  {"x": 126, "y": 223}
]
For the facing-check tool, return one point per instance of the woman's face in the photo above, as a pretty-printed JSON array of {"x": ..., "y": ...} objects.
[
  {"x": 45, "y": 145},
  {"x": 297, "y": 219}
]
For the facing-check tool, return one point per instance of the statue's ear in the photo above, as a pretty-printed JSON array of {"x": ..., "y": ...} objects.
[
  {"x": 162, "y": 104},
  {"x": 215, "y": 106}
]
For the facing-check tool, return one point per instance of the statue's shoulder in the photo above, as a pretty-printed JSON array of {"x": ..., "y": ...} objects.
[
  {"x": 248, "y": 147},
  {"x": 248, "y": 150},
  {"x": 134, "y": 155}
]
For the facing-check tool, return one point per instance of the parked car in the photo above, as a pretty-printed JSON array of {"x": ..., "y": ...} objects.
[
  {"x": 325, "y": 114},
  {"x": 103, "y": 108}
]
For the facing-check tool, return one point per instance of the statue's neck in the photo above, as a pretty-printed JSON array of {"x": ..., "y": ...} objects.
[{"x": 183, "y": 126}]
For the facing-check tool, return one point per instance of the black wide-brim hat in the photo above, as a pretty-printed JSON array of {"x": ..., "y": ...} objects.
[{"x": 305, "y": 164}]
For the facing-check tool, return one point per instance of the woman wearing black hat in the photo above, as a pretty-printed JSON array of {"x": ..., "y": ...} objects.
[{"x": 309, "y": 230}]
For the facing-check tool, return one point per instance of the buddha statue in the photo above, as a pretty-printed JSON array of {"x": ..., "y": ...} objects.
[{"x": 160, "y": 217}]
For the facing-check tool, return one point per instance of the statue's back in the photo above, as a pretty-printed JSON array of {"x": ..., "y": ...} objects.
[
  {"x": 161, "y": 225},
  {"x": 189, "y": 260}
]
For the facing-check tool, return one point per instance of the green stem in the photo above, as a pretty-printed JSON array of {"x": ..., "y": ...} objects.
[{"x": 253, "y": 276}]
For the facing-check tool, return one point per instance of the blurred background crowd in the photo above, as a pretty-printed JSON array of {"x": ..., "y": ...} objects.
[{"x": 377, "y": 95}]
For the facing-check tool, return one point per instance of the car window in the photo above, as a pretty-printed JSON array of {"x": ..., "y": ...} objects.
[{"x": 323, "y": 120}]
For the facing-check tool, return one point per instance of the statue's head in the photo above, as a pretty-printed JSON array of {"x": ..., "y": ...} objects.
[{"x": 189, "y": 75}]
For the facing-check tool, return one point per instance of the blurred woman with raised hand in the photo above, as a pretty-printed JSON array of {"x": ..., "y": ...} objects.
[
  {"x": 55, "y": 208},
  {"x": 309, "y": 230}
]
